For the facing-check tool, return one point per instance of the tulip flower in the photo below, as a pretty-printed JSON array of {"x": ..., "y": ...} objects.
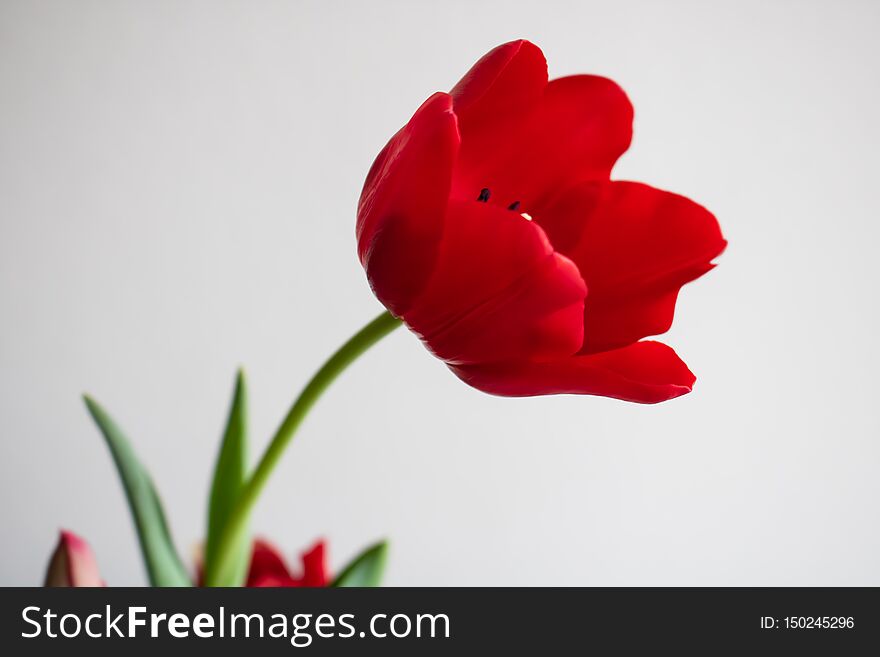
[
  {"x": 490, "y": 226},
  {"x": 73, "y": 563},
  {"x": 268, "y": 568}
]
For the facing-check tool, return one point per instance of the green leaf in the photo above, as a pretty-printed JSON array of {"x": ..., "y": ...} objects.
[
  {"x": 230, "y": 475},
  {"x": 366, "y": 569},
  {"x": 164, "y": 566}
]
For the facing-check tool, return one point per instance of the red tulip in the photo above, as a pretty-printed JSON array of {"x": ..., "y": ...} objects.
[
  {"x": 489, "y": 224},
  {"x": 73, "y": 563},
  {"x": 268, "y": 568}
]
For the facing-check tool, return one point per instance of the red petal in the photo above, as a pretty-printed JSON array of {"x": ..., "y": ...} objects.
[
  {"x": 266, "y": 564},
  {"x": 645, "y": 372},
  {"x": 585, "y": 125},
  {"x": 498, "y": 291},
  {"x": 268, "y": 567},
  {"x": 400, "y": 213},
  {"x": 635, "y": 246},
  {"x": 504, "y": 80},
  {"x": 315, "y": 566},
  {"x": 492, "y": 102},
  {"x": 73, "y": 563},
  {"x": 582, "y": 125}
]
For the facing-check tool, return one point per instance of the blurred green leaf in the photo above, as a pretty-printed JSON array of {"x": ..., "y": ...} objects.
[
  {"x": 230, "y": 475},
  {"x": 366, "y": 569},
  {"x": 164, "y": 566}
]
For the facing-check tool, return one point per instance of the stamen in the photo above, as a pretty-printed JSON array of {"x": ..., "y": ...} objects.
[
  {"x": 484, "y": 195},
  {"x": 513, "y": 206}
]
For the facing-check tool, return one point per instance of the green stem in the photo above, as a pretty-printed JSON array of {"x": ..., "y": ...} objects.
[{"x": 218, "y": 571}]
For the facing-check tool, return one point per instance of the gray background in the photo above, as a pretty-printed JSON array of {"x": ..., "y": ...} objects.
[{"x": 177, "y": 191}]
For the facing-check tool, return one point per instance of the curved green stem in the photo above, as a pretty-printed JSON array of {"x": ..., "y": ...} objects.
[{"x": 217, "y": 572}]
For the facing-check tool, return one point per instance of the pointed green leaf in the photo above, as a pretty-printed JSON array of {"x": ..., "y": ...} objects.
[
  {"x": 229, "y": 477},
  {"x": 366, "y": 569},
  {"x": 164, "y": 566}
]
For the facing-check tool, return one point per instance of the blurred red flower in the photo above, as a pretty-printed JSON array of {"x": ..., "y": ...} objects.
[
  {"x": 490, "y": 225},
  {"x": 268, "y": 568}
]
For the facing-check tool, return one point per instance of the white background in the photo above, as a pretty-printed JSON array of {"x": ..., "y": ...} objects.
[{"x": 178, "y": 183}]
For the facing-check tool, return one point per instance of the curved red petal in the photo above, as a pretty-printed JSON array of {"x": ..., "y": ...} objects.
[
  {"x": 267, "y": 564},
  {"x": 585, "y": 125},
  {"x": 504, "y": 80},
  {"x": 314, "y": 563},
  {"x": 581, "y": 126},
  {"x": 498, "y": 291},
  {"x": 401, "y": 208},
  {"x": 635, "y": 246},
  {"x": 644, "y": 372},
  {"x": 493, "y": 102}
]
